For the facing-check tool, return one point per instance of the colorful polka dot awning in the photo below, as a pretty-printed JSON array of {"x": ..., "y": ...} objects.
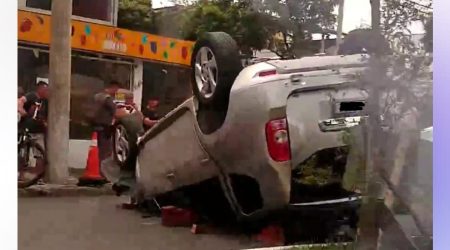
[{"x": 35, "y": 28}]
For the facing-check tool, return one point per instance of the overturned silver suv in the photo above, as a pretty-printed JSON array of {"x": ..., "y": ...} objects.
[{"x": 248, "y": 134}]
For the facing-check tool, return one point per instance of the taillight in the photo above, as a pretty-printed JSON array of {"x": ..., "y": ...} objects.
[
  {"x": 277, "y": 137},
  {"x": 267, "y": 73}
]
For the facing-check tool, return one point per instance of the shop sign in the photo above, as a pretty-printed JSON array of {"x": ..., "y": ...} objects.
[
  {"x": 35, "y": 28},
  {"x": 110, "y": 45}
]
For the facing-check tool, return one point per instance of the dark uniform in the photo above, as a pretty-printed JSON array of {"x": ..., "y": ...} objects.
[
  {"x": 152, "y": 115},
  {"x": 34, "y": 121},
  {"x": 102, "y": 118},
  {"x": 37, "y": 111}
]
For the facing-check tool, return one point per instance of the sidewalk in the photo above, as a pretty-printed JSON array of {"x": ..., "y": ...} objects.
[
  {"x": 66, "y": 190},
  {"x": 57, "y": 190}
]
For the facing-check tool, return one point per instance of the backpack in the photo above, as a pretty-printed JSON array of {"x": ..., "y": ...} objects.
[{"x": 100, "y": 110}]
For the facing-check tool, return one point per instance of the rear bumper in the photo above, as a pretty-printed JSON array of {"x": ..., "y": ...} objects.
[{"x": 334, "y": 208}]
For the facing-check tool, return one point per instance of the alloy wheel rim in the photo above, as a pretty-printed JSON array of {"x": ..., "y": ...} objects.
[{"x": 206, "y": 72}]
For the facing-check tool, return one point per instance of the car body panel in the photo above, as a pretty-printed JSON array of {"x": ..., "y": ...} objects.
[
  {"x": 172, "y": 156},
  {"x": 315, "y": 63},
  {"x": 305, "y": 134}
]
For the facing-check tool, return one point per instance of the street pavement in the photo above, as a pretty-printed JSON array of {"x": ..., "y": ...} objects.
[{"x": 74, "y": 223}]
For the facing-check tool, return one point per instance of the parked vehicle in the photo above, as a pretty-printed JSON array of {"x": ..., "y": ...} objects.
[{"x": 254, "y": 129}]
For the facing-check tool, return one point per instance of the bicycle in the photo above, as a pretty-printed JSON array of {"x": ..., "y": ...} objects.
[{"x": 31, "y": 160}]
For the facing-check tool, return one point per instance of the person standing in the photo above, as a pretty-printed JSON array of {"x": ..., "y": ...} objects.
[
  {"x": 33, "y": 109},
  {"x": 102, "y": 118},
  {"x": 151, "y": 115},
  {"x": 125, "y": 103}
]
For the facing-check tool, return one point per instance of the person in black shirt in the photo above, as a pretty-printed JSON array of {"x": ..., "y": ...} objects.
[
  {"x": 33, "y": 107},
  {"x": 151, "y": 116}
]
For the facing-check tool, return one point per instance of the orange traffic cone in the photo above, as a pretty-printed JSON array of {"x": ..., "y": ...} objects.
[{"x": 92, "y": 176}]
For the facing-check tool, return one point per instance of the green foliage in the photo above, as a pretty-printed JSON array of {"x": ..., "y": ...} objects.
[
  {"x": 319, "y": 169},
  {"x": 136, "y": 15},
  {"x": 298, "y": 20},
  {"x": 254, "y": 24},
  {"x": 397, "y": 16},
  {"x": 331, "y": 246},
  {"x": 234, "y": 18},
  {"x": 398, "y": 88},
  {"x": 360, "y": 40}
]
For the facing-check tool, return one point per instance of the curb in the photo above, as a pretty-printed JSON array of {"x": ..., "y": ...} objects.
[
  {"x": 54, "y": 190},
  {"x": 342, "y": 246}
]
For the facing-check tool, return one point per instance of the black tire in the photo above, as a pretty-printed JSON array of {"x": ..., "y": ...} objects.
[
  {"x": 30, "y": 175},
  {"x": 132, "y": 126},
  {"x": 119, "y": 156},
  {"x": 226, "y": 53}
]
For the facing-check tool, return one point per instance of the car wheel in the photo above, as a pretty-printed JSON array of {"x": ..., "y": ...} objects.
[
  {"x": 121, "y": 145},
  {"x": 216, "y": 63}
]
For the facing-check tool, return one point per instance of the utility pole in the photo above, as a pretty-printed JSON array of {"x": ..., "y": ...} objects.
[
  {"x": 59, "y": 83},
  {"x": 339, "y": 25}
]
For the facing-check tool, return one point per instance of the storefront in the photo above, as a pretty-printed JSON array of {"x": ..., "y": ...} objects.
[
  {"x": 89, "y": 75},
  {"x": 101, "y": 54},
  {"x": 169, "y": 83}
]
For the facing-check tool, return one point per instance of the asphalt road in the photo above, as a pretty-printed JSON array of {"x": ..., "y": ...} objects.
[{"x": 96, "y": 223}]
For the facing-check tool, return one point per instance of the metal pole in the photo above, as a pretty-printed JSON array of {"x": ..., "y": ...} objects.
[
  {"x": 59, "y": 83},
  {"x": 339, "y": 25}
]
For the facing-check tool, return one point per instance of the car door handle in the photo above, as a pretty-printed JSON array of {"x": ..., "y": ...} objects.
[{"x": 170, "y": 176}]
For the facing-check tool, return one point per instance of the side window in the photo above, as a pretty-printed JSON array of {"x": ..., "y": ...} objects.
[
  {"x": 98, "y": 9},
  {"x": 39, "y": 4}
]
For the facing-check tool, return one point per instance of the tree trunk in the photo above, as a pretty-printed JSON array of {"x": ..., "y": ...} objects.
[
  {"x": 59, "y": 83},
  {"x": 376, "y": 16},
  {"x": 339, "y": 25}
]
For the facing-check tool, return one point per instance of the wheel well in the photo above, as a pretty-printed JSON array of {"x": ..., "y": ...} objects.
[
  {"x": 210, "y": 119},
  {"x": 247, "y": 192},
  {"x": 206, "y": 198}
]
